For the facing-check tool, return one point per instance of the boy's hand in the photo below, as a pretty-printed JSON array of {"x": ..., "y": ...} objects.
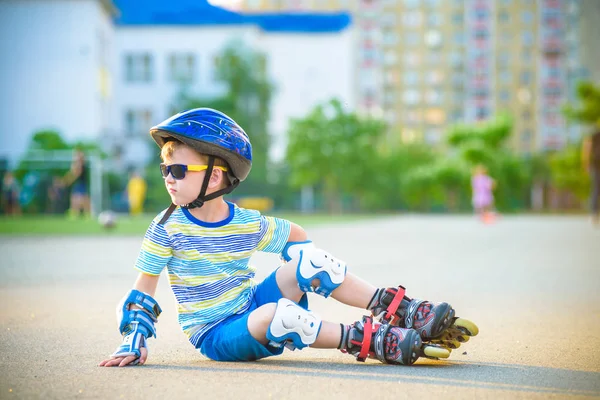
[{"x": 123, "y": 361}]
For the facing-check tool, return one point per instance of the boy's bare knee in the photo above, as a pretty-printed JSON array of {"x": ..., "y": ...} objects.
[
  {"x": 267, "y": 312},
  {"x": 259, "y": 321}
]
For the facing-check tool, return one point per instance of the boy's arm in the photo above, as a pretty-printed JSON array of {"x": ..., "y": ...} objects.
[{"x": 147, "y": 284}]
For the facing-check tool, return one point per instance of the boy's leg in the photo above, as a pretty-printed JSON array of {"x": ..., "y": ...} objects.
[
  {"x": 431, "y": 320},
  {"x": 288, "y": 324}
]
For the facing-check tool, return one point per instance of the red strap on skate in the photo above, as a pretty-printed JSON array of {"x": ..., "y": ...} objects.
[
  {"x": 366, "y": 343},
  {"x": 393, "y": 307}
]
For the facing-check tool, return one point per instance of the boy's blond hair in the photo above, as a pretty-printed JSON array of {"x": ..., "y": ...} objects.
[{"x": 169, "y": 148}]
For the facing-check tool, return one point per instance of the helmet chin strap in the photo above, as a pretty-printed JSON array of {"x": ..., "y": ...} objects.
[{"x": 202, "y": 197}]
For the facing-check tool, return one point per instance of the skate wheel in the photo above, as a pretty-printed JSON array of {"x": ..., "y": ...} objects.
[
  {"x": 448, "y": 343},
  {"x": 435, "y": 352},
  {"x": 469, "y": 328},
  {"x": 463, "y": 338}
]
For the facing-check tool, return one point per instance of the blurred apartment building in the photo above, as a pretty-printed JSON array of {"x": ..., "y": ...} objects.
[
  {"x": 111, "y": 69},
  {"x": 425, "y": 64}
]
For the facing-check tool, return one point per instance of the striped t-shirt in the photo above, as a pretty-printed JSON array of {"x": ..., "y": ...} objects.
[{"x": 207, "y": 263}]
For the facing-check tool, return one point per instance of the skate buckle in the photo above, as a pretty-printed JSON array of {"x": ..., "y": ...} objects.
[
  {"x": 390, "y": 315},
  {"x": 366, "y": 343}
]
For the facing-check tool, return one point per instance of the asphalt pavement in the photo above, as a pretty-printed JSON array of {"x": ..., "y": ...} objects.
[{"x": 531, "y": 283}]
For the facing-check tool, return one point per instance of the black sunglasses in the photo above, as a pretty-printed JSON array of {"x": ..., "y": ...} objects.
[{"x": 178, "y": 170}]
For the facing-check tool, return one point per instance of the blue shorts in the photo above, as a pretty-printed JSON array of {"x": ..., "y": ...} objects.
[
  {"x": 231, "y": 340},
  {"x": 79, "y": 189}
]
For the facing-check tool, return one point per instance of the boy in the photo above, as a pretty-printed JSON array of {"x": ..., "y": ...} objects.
[{"x": 206, "y": 243}]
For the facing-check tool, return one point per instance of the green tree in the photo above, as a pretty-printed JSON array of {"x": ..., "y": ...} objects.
[
  {"x": 390, "y": 187},
  {"x": 566, "y": 169},
  {"x": 336, "y": 149},
  {"x": 587, "y": 111},
  {"x": 448, "y": 177},
  {"x": 566, "y": 172}
]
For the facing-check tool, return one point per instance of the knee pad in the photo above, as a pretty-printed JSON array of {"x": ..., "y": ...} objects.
[
  {"x": 293, "y": 326},
  {"x": 318, "y": 264},
  {"x": 292, "y": 249}
]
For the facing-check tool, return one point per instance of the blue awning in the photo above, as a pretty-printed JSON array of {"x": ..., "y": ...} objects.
[{"x": 200, "y": 12}]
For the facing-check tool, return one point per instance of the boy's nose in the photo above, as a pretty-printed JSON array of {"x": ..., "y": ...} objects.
[{"x": 170, "y": 178}]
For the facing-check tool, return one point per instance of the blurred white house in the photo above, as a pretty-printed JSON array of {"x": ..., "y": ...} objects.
[{"x": 96, "y": 69}]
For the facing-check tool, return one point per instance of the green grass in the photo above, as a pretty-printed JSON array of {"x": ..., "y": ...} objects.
[{"x": 61, "y": 225}]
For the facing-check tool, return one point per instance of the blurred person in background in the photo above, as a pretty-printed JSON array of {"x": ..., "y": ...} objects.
[
  {"x": 483, "y": 197},
  {"x": 136, "y": 193},
  {"x": 78, "y": 179},
  {"x": 56, "y": 195},
  {"x": 10, "y": 194},
  {"x": 590, "y": 158}
]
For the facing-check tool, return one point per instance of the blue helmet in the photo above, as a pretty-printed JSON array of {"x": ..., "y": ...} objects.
[{"x": 212, "y": 133}]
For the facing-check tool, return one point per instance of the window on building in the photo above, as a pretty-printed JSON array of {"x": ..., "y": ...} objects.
[
  {"x": 432, "y": 135},
  {"x": 527, "y": 17},
  {"x": 505, "y": 76},
  {"x": 410, "y": 78},
  {"x": 458, "y": 82},
  {"x": 389, "y": 97},
  {"x": 181, "y": 67},
  {"x": 435, "y": 77},
  {"x": 458, "y": 18},
  {"x": 412, "y": 117},
  {"x": 527, "y": 38},
  {"x": 456, "y": 115},
  {"x": 435, "y": 116},
  {"x": 504, "y": 96},
  {"x": 434, "y": 97},
  {"x": 412, "y": 38},
  {"x": 459, "y": 38},
  {"x": 503, "y": 16},
  {"x": 137, "y": 121},
  {"x": 412, "y": 19},
  {"x": 434, "y": 58},
  {"x": 456, "y": 59},
  {"x": 390, "y": 58},
  {"x": 434, "y": 20},
  {"x": 503, "y": 59},
  {"x": 481, "y": 13},
  {"x": 391, "y": 78},
  {"x": 388, "y": 20},
  {"x": 411, "y": 97},
  {"x": 551, "y": 72},
  {"x": 138, "y": 67},
  {"x": 367, "y": 76},
  {"x": 526, "y": 77},
  {"x": 412, "y": 59},
  {"x": 390, "y": 37},
  {"x": 412, "y": 3},
  {"x": 368, "y": 54}
]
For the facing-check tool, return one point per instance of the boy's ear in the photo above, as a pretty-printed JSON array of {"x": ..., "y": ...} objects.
[{"x": 216, "y": 177}]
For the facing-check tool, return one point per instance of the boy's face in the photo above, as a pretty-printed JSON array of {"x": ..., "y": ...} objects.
[{"x": 186, "y": 190}]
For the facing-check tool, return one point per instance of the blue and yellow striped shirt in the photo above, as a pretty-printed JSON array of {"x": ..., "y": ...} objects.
[{"x": 207, "y": 263}]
